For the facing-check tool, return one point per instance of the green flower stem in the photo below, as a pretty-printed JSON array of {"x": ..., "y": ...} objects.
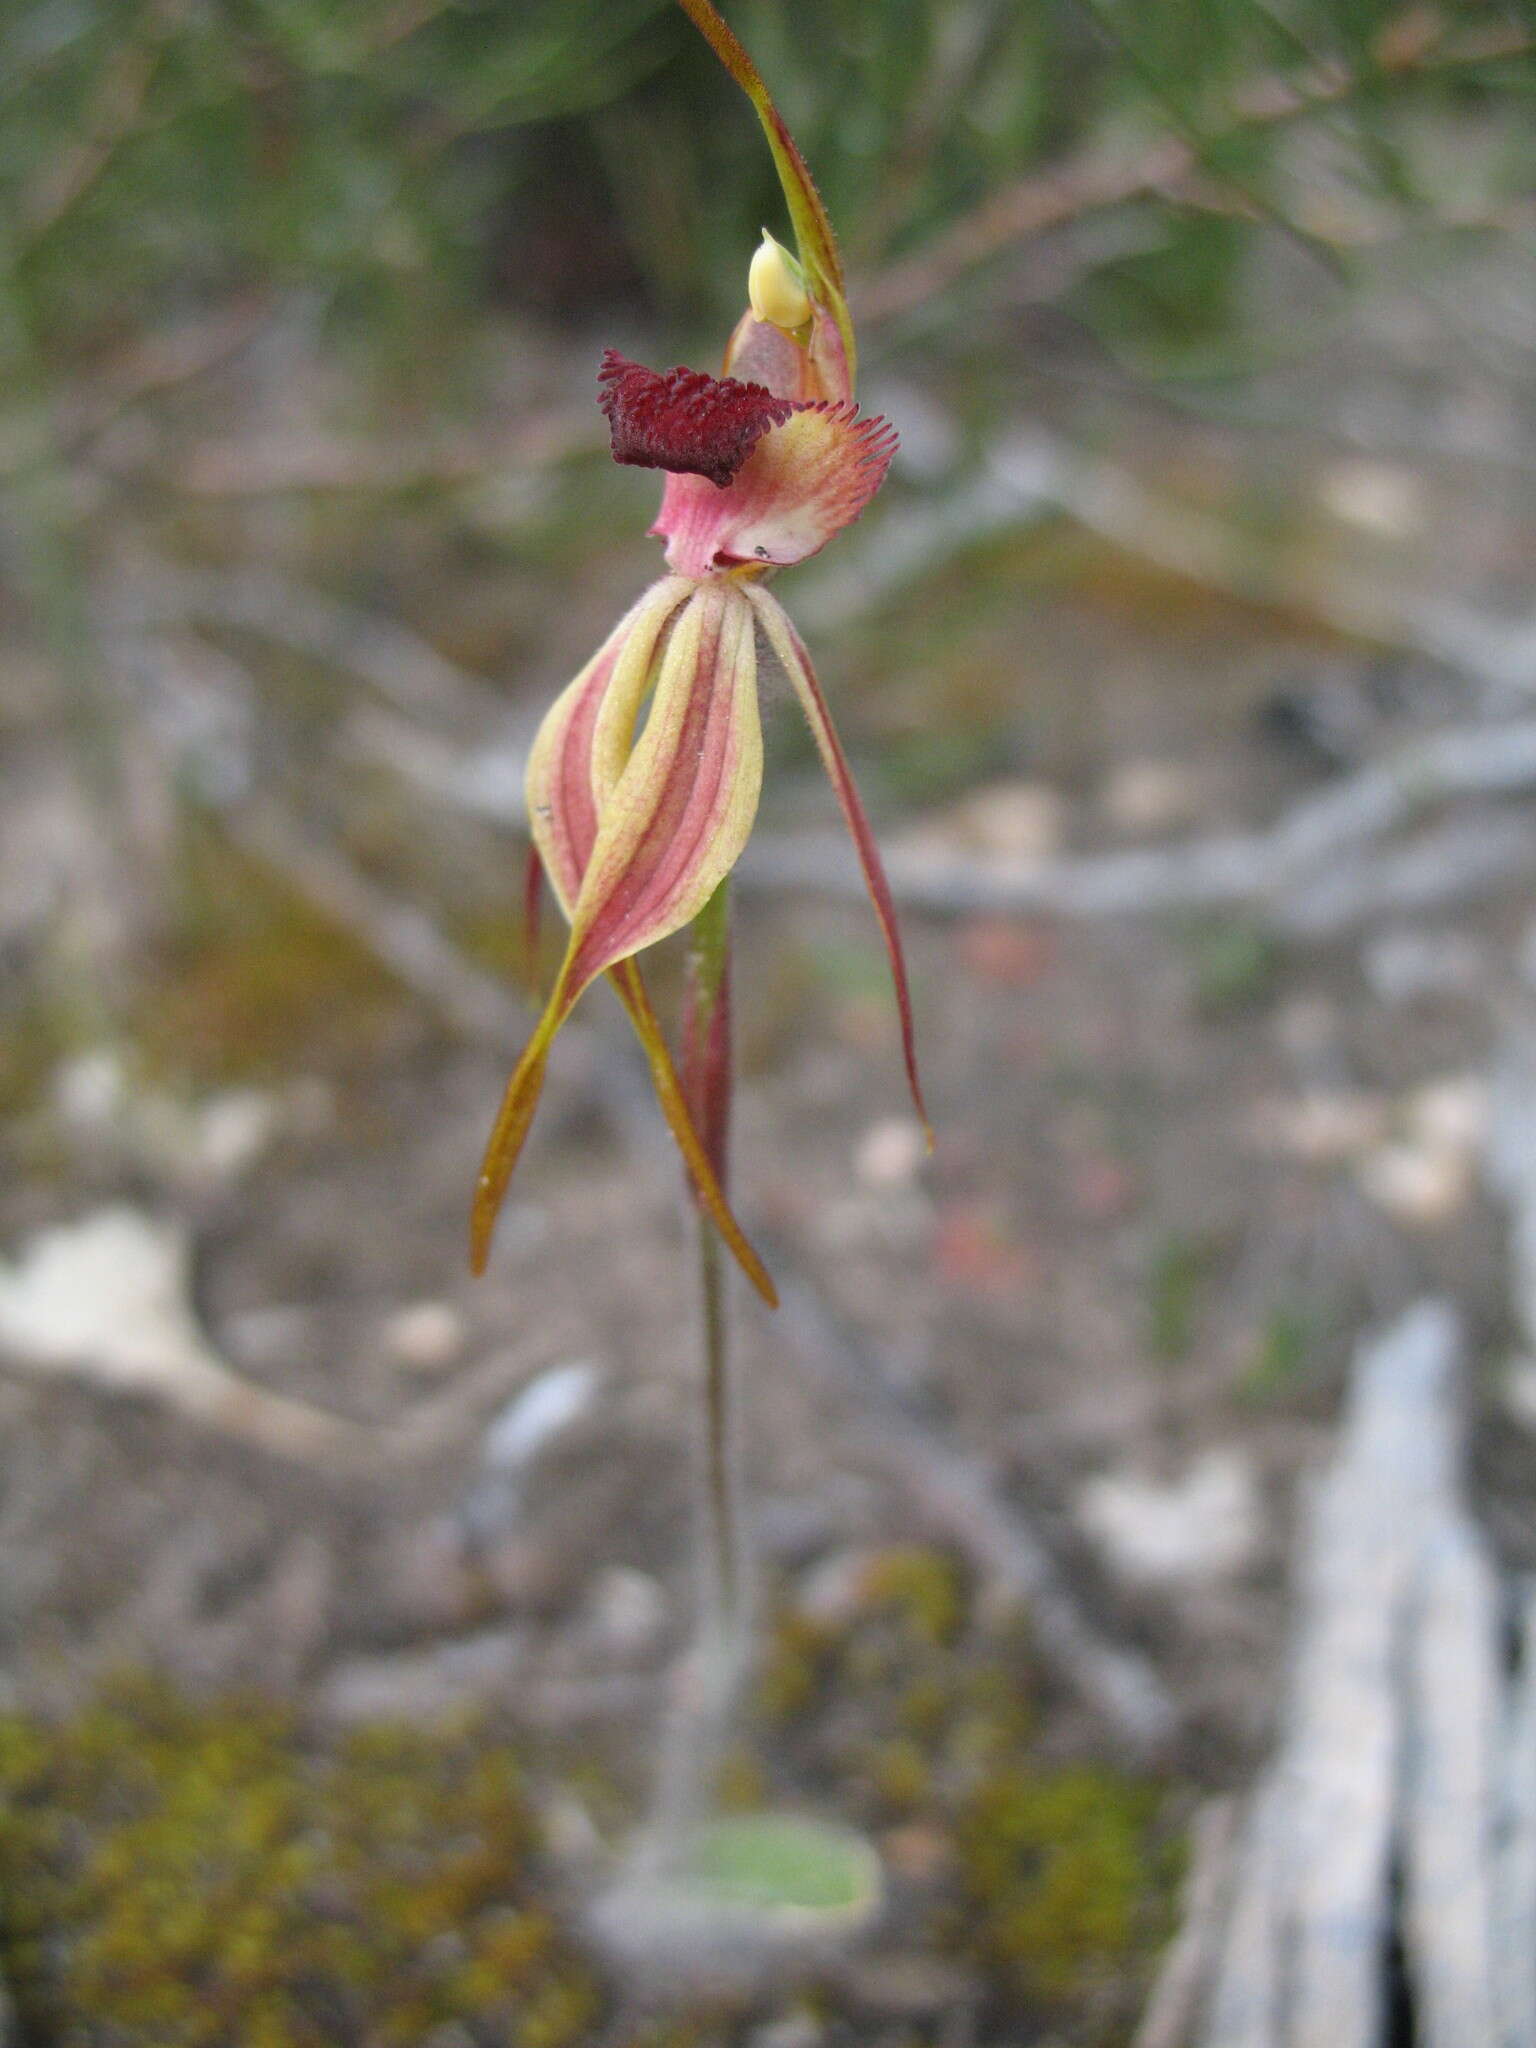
[
  {"x": 724, "y": 1618},
  {"x": 724, "y": 1615}
]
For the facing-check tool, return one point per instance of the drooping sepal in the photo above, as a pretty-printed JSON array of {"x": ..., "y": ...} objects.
[
  {"x": 790, "y": 651},
  {"x": 521, "y": 1099},
  {"x": 697, "y": 1110},
  {"x": 508, "y": 1134}
]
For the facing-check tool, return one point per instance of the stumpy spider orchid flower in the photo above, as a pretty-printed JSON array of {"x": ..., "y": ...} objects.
[{"x": 643, "y": 780}]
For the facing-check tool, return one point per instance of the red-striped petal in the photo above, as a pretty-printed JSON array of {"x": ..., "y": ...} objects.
[
  {"x": 562, "y": 801},
  {"x": 677, "y": 815}
]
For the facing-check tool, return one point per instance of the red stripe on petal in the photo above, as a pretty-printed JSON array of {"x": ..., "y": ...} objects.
[
  {"x": 636, "y": 846},
  {"x": 683, "y": 420},
  {"x": 796, "y": 663}
]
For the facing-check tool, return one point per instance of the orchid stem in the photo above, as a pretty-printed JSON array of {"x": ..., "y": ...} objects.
[
  {"x": 724, "y": 1615},
  {"x": 707, "y": 1069}
]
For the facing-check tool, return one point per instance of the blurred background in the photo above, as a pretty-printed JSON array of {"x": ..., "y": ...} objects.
[{"x": 1186, "y": 662}]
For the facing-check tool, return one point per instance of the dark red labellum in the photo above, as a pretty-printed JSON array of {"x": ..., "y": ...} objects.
[{"x": 684, "y": 421}]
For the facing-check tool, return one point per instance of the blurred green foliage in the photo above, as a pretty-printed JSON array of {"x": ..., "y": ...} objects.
[
  {"x": 155, "y": 155},
  {"x": 395, "y": 159}
]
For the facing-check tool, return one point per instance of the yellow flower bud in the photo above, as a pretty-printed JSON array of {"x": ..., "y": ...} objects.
[{"x": 776, "y": 288}]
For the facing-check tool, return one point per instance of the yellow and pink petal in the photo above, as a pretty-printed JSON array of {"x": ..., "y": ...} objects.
[
  {"x": 562, "y": 802},
  {"x": 677, "y": 816}
]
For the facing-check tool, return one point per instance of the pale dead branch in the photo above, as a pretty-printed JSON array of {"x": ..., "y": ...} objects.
[
  {"x": 380, "y": 651},
  {"x": 1514, "y": 1880},
  {"x": 1398, "y": 1818},
  {"x": 1304, "y": 1962},
  {"x": 1316, "y": 870},
  {"x": 1172, "y": 2009},
  {"x": 1452, "y": 1768}
]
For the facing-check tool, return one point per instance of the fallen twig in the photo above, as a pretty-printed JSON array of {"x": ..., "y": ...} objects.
[
  {"x": 404, "y": 938},
  {"x": 1171, "y": 2010},
  {"x": 1514, "y": 1880},
  {"x": 1511, "y": 1170},
  {"x": 1398, "y": 1819},
  {"x": 1451, "y": 1773},
  {"x": 1293, "y": 870},
  {"x": 1035, "y": 474}
]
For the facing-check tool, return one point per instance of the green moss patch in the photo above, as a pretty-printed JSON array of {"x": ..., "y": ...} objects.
[
  {"x": 1051, "y": 1883},
  {"x": 176, "y": 1874},
  {"x": 1068, "y": 1878},
  {"x": 199, "y": 1877}
]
